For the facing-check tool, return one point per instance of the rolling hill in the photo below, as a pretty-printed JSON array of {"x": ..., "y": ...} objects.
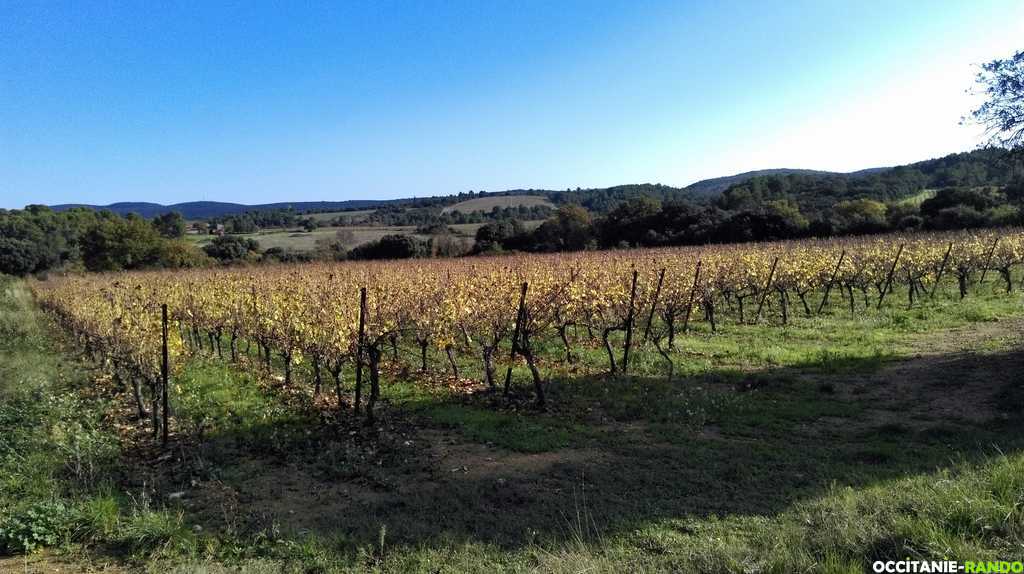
[
  {"x": 715, "y": 186},
  {"x": 594, "y": 198},
  {"x": 208, "y": 209},
  {"x": 978, "y": 167}
]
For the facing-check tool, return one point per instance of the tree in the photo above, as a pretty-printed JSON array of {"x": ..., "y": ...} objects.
[
  {"x": 391, "y": 247},
  {"x": 335, "y": 248},
  {"x": 227, "y": 248},
  {"x": 683, "y": 222},
  {"x": 904, "y": 216},
  {"x": 284, "y": 255},
  {"x": 769, "y": 223},
  {"x": 114, "y": 243},
  {"x": 448, "y": 245},
  {"x": 17, "y": 256},
  {"x": 170, "y": 225},
  {"x": 1015, "y": 191},
  {"x": 496, "y": 235},
  {"x": 978, "y": 199},
  {"x": 790, "y": 222},
  {"x": 860, "y": 216},
  {"x": 628, "y": 222},
  {"x": 1002, "y": 114},
  {"x": 176, "y": 254},
  {"x": 571, "y": 229},
  {"x": 241, "y": 224},
  {"x": 957, "y": 217}
]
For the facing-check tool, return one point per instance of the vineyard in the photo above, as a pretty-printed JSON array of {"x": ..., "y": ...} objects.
[{"x": 346, "y": 323}]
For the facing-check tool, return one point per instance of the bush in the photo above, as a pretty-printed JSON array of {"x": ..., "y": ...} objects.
[
  {"x": 228, "y": 248},
  {"x": 860, "y": 216},
  {"x": 956, "y": 217},
  {"x": 391, "y": 247},
  {"x": 910, "y": 223},
  {"x": 283, "y": 255},
  {"x": 1004, "y": 215},
  {"x": 37, "y": 526},
  {"x": 493, "y": 236},
  {"x": 177, "y": 254},
  {"x": 447, "y": 245},
  {"x": 17, "y": 256}
]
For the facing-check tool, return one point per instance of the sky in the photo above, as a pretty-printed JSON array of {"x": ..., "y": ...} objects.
[{"x": 255, "y": 102}]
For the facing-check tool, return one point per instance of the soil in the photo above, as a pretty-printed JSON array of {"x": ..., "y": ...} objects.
[{"x": 948, "y": 378}]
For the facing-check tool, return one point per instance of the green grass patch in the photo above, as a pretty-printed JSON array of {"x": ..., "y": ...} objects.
[
  {"x": 58, "y": 457},
  {"x": 517, "y": 432},
  {"x": 212, "y": 396}
]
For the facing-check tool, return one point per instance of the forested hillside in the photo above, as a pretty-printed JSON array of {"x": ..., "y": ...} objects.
[
  {"x": 816, "y": 192},
  {"x": 968, "y": 190},
  {"x": 974, "y": 189}
]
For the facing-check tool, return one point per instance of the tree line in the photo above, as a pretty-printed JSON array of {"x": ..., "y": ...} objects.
[
  {"x": 37, "y": 239},
  {"x": 987, "y": 194},
  {"x": 986, "y": 188}
]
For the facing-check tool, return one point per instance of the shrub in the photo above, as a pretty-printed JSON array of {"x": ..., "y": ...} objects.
[
  {"x": 228, "y": 248},
  {"x": 37, "y": 526}
]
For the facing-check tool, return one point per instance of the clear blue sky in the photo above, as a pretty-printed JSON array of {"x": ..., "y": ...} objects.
[{"x": 288, "y": 101}]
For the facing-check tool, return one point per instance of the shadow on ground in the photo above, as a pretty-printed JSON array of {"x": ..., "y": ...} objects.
[{"x": 611, "y": 456}]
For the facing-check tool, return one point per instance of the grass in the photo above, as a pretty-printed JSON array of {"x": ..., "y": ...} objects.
[
  {"x": 513, "y": 431},
  {"x": 971, "y": 512},
  {"x": 774, "y": 449},
  {"x": 830, "y": 343},
  {"x": 968, "y": 512},
  {"x": 210, "y": 395},
  {"x": 59, "y": 476},
  {"x": 918, "y": 198}
]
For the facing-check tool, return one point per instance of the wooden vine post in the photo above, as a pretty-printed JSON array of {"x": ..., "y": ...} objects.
[
  {"x": 888, "y": 279},
  {"x": 164, "y": 376},
  {"x": 360, "y": 342},
  {"x": 831, "y": 281},
  {"x": 630, "y": 316},
  {"x": 693, "y": 294},
  {"x": 654, "y": 304},
  {"x": 155, "y": 411},
  {"x": 767, "y": 288},
  {"x": 942, "y": 268},
  {"x": 521, "y": 311},
  {"x": 988, "y": 260}
]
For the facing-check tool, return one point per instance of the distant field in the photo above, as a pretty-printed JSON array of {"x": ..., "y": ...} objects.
[
  {"x": 489, "y": 203},
  {"x": 349, "y": 215},
  {"x": 917, "y": 198},
  {"x": 299, "y": 240}
]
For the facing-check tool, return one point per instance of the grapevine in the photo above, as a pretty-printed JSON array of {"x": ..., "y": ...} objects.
[{"x": 469, "y": 307}]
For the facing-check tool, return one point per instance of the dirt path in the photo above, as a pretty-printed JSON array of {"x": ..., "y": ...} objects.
[
  {"x": 952, "y": 377},
  {"x": 45, "y": 564}
]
